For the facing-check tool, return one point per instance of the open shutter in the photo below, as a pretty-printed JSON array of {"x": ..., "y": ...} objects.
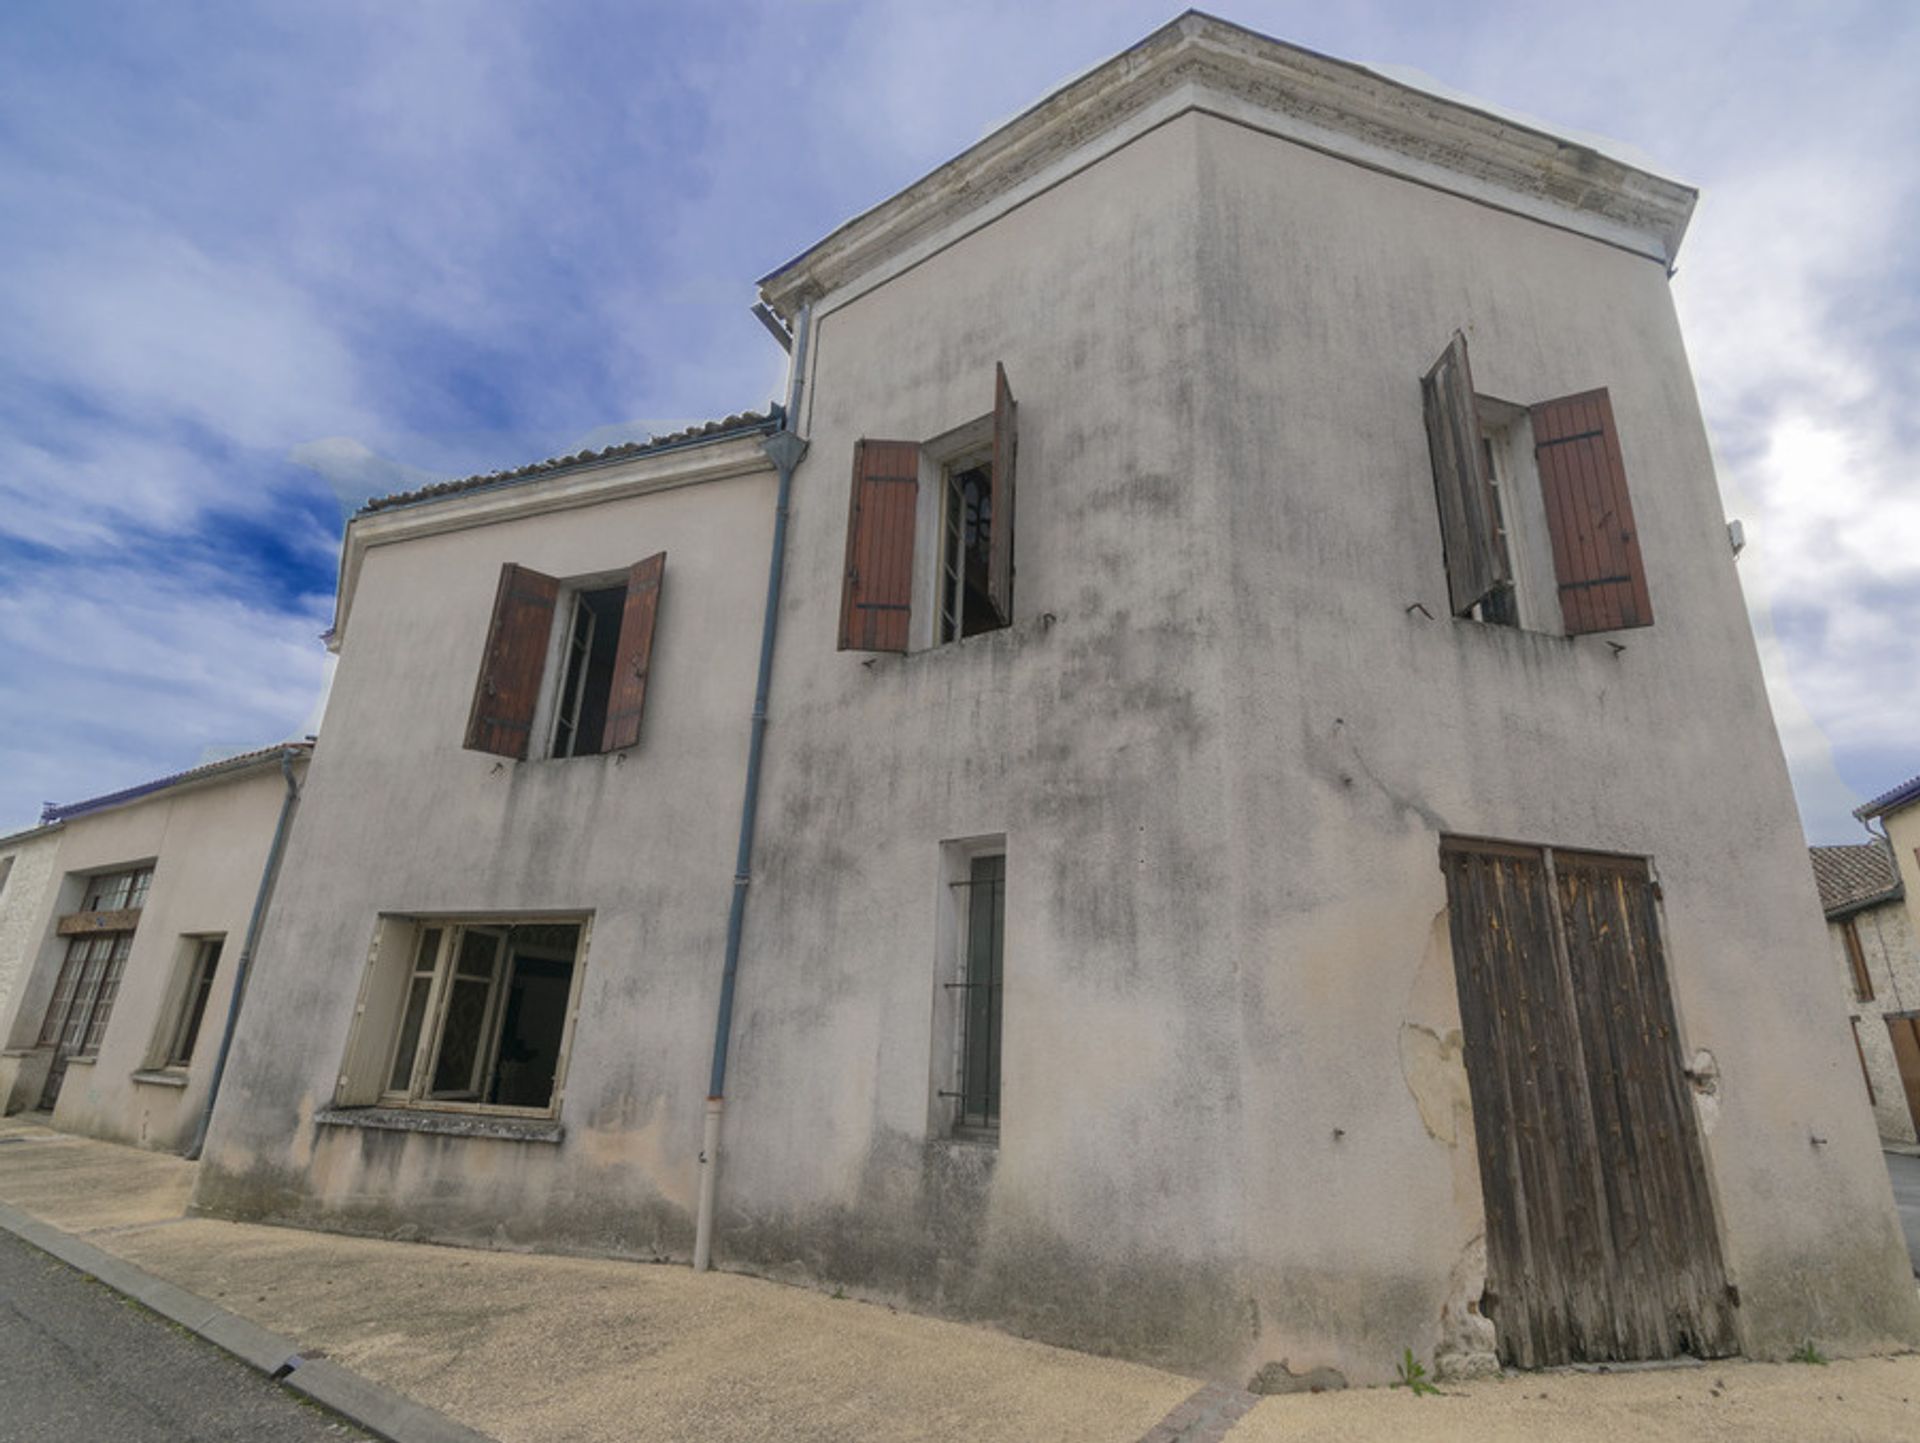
[
  {"x": 1000, "y": 504},
  {"x": 1469, "y": 520},
  {"x": 877, "y": 598},
  {"x": 505, "y": 696},
  {"x": 1596, "y": 553},
  {"x": 627, "y": 698}
]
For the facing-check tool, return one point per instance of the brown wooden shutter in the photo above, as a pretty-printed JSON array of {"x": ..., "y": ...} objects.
[
  {"x": 1857, "y": 960},
  {"x": 1000, "y": 506},
  {"x": 1596, "y": 552},
  {"x": 877, "y": 598},
  {"x": 508, "y": 691},
  {"x": 1469, "y": 518},
  {"x": 627, "y": 697}
]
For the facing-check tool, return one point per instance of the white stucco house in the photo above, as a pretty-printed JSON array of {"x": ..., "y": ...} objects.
[
  {"x": 1208, "y": 842},
  {"x": 125, "y": 921}
]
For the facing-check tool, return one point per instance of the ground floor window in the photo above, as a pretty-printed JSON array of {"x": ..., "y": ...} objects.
[
  {"x": 193, "y": 1002},
  {"x": 484, "y": 1015},
  {"x": 976, "y": 987}
]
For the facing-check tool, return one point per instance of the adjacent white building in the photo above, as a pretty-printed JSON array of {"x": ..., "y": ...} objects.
[
  {"x": 128, "y": 928},
  {"x": 1254, "y": 889},
  {"x": 1874, "y": 956}
]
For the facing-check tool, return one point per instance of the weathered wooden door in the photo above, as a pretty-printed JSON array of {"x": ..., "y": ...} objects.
[
  {"x": 1601, "y": 1241},
  {"x": 1905, "y": 1032}
]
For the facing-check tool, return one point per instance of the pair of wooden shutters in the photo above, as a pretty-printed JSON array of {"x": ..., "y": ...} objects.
[
  {"x": 507, "y": 694},
  {"x": 1596, "y": 550},
  {"x": 876, "y": 598},
  {"x": 1905, "y": 1034},
  {"x": 1601, "y": 1242}
]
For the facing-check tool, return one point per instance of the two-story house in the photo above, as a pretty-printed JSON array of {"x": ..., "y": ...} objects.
[{"x": 1238, "y": 746}]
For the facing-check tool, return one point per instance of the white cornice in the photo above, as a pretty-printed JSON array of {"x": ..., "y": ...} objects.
[
  {"x": 1200, "y": 63},
  {"x": 584, "y": 485}
]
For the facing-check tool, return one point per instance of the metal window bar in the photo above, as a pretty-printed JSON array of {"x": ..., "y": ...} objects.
[
  {"x": 978, "y": 1097},
  {"x": 952, "y": 563}
]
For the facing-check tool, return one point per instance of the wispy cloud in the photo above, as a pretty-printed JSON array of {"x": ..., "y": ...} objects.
[{"x": 260, "y": 263}]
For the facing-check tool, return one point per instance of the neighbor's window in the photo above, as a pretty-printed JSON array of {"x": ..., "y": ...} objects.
[
  {"x": 485, "y": 1013},
  {"x": 575, "y": 653},
  {"x": 193, "y": 1001},
  {"x": 971, "y": 590},
  {"x": 982, "y": 895},
  {"x": 1857, "y": 961},
  {"x": 1562, "y": 498},
  {"x": 117, "y": 891}
]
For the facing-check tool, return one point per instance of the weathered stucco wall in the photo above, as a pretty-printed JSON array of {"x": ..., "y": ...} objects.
[
  {"x": 1892, "y": 956},
  {"x": 1221, "y": 741},
  {"x": 23, "y": 904},
  {"x": 208, "y": 843},
  {"x": 398, "y": 818},
  {"x": 1222, "y": 744}
]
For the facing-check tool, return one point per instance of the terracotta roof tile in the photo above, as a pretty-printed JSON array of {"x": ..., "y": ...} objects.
[
  {"x": 739, "y": 424},
  {"x": 1892, "y": 800},
  {"x": 1850, "y": 877}
]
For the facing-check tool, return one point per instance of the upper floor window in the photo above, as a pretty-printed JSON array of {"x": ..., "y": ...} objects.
[
  {"x": 972, "y": 541},
  {"x": 1527, "y": 492},
  {"x": 117, "y": 891},
  {"x": 567, "y": 660}
]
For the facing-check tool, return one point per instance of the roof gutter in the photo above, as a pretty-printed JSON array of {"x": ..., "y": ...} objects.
[
  {"x": 261, "y": 897},
  {"x": 785, "y": 447}
]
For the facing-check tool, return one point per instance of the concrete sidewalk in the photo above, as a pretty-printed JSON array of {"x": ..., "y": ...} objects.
[{"x": 530, "y": 1347}]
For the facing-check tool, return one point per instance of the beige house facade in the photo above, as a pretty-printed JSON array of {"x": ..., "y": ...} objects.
[
  {"x": 1260, "y": 694},
  {"x": 26, "y": 870},
  {"x": 1874, "y": 956},
  {"x": 131, "y": 943},
  {"x": 1895, "y": 814}
]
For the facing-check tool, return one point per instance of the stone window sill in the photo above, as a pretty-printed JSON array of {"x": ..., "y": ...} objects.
[
  {"x": 444, "y": 1124},
  {"x": 160, "y": 1077}
]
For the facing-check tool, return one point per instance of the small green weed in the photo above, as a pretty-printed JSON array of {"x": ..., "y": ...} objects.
[
  {"x": 1807, "y": 1353},
  {"x": 1413, "y": 1375}
]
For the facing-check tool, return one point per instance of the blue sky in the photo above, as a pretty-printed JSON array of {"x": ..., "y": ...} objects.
[{"x": 260, "y": 261}]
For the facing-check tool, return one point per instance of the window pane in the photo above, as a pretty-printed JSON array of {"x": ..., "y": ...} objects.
[
  {"x": 199, "y": 985},
  {"x": 477, "y": 951},
  {"x": 416, "y": 1012},
  {"x": 986, "y": 921},
  {"x": 460, "y": 1037}
]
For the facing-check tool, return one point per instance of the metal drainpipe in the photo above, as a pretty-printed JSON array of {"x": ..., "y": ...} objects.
[
  {"x": 786, "y": 448},
  {"x": 261, "y": 897}
]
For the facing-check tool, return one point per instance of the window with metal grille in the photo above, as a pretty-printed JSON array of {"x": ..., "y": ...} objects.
[{"x": 979, "y": 988}]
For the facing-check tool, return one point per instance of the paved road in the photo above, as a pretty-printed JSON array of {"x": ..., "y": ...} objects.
[
  {"x": 78, "y": 1361},
  {"x": 1906, "y": 1192}
]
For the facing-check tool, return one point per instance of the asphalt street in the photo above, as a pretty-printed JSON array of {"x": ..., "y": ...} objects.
[
  {"x": 1906, "y": 1192},
  {"x": 79, "y": 1361}
]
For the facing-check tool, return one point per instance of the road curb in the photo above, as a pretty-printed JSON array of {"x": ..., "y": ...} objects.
[{"x": 381, "y": 1411}]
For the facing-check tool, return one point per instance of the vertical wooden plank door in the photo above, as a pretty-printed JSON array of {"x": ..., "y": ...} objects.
[
  {"x": 1601, "y": 1243},
  {"x": 1905, "y": 1032}
]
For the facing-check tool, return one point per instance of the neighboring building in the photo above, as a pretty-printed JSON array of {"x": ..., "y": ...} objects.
[
  {"x": 1127, "y": 960},
  {"x": 26, "y": 868},
  {"x": 1872, "y": 942},
  {"x": 130, "y": 947},
  {"x": 1898, "y": 813}
]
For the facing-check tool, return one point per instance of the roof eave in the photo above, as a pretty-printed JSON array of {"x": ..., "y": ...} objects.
[{"x": 1384, "y": 118}]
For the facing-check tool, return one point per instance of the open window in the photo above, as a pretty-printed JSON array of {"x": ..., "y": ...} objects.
[
  {"x": 970, "y": 529},
  {"x": 1528, "y": 492},
  {"x": 468, "y": 1015},
  {"x": 566, "y": 660},
  {"x": 189, "y": 1008}
]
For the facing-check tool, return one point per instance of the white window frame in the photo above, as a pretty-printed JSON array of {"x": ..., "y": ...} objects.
[
  {"x": 553, "y": 677},
  {"x": 398, "y": 945}
]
